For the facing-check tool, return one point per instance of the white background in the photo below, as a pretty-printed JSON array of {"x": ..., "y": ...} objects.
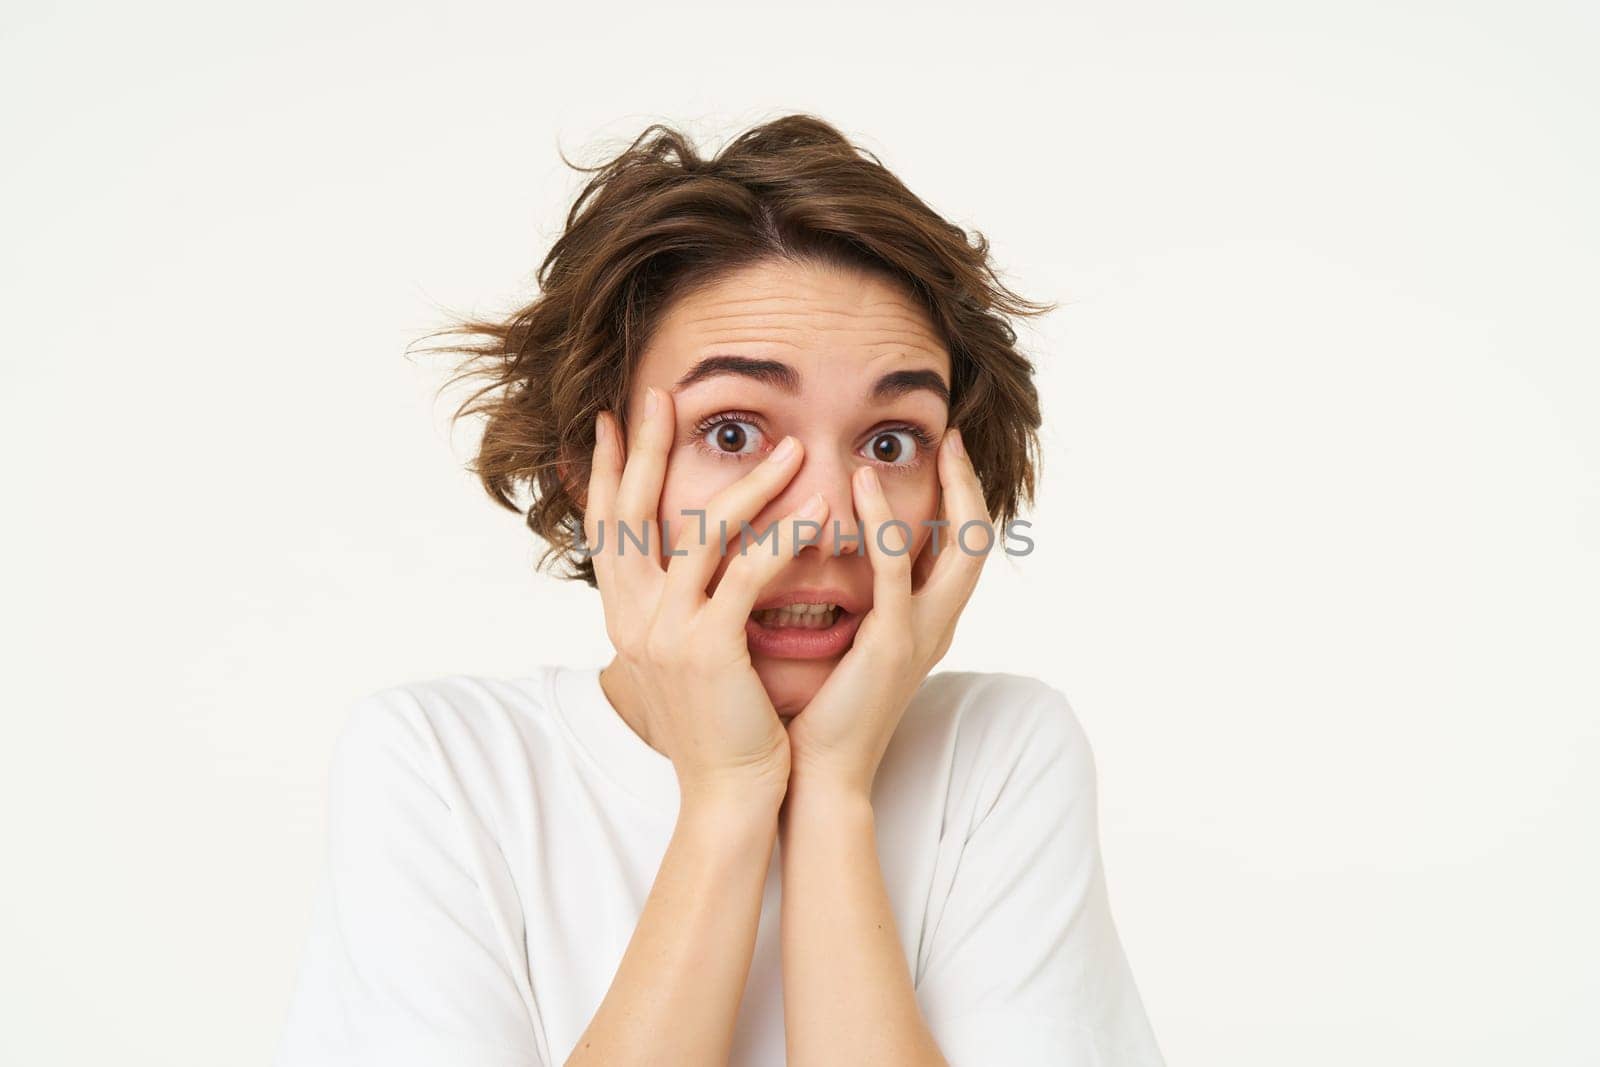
[{"x": 1319, "y": 531}]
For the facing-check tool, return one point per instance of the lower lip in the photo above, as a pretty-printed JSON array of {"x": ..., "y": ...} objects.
[{"x": 794, "y": 642}]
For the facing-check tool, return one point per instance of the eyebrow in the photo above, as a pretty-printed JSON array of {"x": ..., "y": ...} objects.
[{"x": 780, "y": 375}]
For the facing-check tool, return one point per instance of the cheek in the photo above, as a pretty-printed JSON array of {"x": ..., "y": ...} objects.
[
  {"x": 690, "y": 482},
  {"x": 915, "y": 501}
]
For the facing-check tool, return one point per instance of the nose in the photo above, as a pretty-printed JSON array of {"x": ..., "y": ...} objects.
[{"x": 828, "y": 473}]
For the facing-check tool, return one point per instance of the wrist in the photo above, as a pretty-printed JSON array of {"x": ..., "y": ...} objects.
[
  {"x": 846, "y": 780},
  {"x": 729, "y": 804},
  {"x": 825, "y": 795}
]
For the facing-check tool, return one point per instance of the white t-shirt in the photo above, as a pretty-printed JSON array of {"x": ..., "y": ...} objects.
[{"x": 493, "y": 841}]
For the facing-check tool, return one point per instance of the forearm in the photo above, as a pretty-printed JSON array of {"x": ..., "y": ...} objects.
[
  {"x": 847, "y": 993},
  {"x": 676, "y": 994}
]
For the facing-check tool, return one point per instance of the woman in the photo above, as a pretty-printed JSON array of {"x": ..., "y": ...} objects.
[{"x": 769, "y": 404}]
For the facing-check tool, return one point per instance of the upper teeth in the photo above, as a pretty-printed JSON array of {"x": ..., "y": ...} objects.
[
  {"x": 803, "y": 616},
  {"x": 806, "y": 609}
]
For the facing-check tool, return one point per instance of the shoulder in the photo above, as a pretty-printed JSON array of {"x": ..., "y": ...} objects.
[
  {"x": 996, "y": 694},
  {"x": 1008, "y": 716},
  {"x": 445, "y": 710},
  {"x": 1006, "y": 739},
  {"x": 450, "y": 738}
]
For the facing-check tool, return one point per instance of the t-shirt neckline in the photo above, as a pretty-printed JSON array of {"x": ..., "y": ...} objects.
[{"x": 622, "y": 755}]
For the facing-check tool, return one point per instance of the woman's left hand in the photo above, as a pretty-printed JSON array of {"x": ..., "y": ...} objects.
[{"x": 839, "y": 738}]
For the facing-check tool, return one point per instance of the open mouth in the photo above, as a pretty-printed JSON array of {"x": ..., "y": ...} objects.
[
  {"x": 798, "y": 616},
  {"x": 802, "y": 631}
]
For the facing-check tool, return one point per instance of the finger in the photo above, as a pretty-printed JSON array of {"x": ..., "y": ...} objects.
[
  {"x": 605, "y": 471},
  {"x": 635, "y": 539},
  {"x": 936, "y": 543},
  {"x": 725, "y": 513},
  {"x": 888, "y": 548},
  {"x": 971, "y": 531},
  {"x": 753, "y": 567}
]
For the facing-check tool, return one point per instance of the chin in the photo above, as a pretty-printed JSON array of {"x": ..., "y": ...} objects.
[{"x": 791, "y": 683}]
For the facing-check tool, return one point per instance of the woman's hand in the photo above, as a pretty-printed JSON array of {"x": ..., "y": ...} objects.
[
  {"x": 686, "y": 653},
  {"x": 839, "y": 738}
]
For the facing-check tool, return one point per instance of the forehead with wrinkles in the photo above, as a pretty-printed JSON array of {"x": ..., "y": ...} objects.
[{"x": 824, "y": 321}]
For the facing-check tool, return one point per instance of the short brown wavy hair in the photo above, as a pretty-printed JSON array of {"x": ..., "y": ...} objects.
[{"x": 657, "y": 221}]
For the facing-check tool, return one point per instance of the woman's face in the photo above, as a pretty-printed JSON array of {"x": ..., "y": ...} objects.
[{"x": 819, "y": 340}]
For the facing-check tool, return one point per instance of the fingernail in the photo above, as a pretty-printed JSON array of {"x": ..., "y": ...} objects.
[
  {"x": 812, "y": 508},
  {"x": 602, "y": 431},
  {"x": 869, "y": 480},
  {"x": 955, "y": 442},
  {"x": 785, "y": 449},
  {"x": 650, "y": 400}
]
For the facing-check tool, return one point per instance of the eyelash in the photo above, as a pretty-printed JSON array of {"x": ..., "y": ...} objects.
[{"x": 925, "y": 442}]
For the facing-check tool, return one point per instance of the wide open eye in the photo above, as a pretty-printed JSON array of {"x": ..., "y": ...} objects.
[
  {"x": 732, "y": 437},
  {"x": 895, "y": 447}
]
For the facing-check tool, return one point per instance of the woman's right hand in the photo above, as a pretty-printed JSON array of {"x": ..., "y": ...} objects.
[{"x": 686, "y": 653}]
